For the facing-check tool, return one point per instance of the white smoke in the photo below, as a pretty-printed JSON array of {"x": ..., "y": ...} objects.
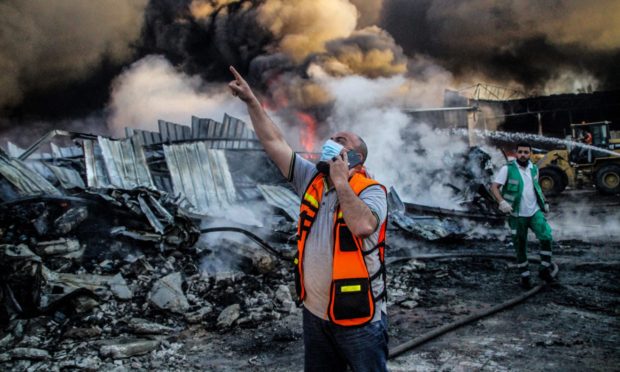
[
  {"x": 402, "y": 153},
  {"x": 585, "y": 216},
  {"x": 570, "y": 81},
  {"x": 152, "y": 89},
  {"x": 223, "y": 244}
]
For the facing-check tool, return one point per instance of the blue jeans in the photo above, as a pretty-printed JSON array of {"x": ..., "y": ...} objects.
[{"x": 330, "y": 347}]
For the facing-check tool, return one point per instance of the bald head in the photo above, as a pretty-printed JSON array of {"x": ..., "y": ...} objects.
[{"x": 352, "y": 141}]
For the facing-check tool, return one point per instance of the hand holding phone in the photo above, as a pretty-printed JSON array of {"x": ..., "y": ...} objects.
[{"x": 354, "y": 158}]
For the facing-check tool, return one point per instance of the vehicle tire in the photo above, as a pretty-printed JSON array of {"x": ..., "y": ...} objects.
[
  {"x": 608, "y": 179},
  {"x": 551, "y": 181}
]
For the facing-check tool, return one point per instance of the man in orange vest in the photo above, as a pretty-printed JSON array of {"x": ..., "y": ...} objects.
[{"x": 340, "y": 270}]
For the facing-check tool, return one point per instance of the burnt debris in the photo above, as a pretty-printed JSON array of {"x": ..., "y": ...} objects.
[{"x": 105, "y": 251}]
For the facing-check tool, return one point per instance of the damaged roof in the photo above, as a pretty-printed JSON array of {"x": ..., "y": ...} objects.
[
  {"x": 25, "y": 181},
  {"x": 201, "y": 174},
  {"x": 189, "y": 162},
  {"x": 125, "y": 163},
  {"x": 204, "y": 166}
]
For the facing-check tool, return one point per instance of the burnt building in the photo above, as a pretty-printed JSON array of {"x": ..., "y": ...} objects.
[
  {"x": 552, "y": 115},
  {"x": 547, "y": 115}
]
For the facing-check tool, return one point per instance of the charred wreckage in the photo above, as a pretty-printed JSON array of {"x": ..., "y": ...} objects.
[{"x": 104, "y": 241}]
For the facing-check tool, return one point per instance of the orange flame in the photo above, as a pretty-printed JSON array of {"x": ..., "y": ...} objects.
[
  {"x": 308, "y": 132},
  {"x": 278, "y": 100}
]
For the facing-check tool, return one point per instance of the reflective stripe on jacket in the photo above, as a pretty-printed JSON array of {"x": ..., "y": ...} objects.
[{"x": 351, "y": 301}]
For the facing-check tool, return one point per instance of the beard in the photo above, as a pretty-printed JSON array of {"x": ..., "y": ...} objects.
[{"x": 523, "y": 163}]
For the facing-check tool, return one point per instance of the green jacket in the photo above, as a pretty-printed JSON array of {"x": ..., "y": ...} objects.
[{"x": 513, "y": 188}]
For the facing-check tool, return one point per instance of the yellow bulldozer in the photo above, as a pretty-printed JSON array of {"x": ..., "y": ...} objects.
[{"x": 577, "y": 166}]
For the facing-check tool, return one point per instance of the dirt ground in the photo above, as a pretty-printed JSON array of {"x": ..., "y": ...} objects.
[{"x": 572, "y": 325}]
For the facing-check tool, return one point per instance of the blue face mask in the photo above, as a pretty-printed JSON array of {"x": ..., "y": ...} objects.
[{"x": 330, "y": 149}]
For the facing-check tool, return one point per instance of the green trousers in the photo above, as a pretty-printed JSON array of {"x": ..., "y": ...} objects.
[{"x": 541, "y": 228}]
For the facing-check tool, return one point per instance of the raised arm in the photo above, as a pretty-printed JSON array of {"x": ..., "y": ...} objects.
[{"x": 268, "y": 133}]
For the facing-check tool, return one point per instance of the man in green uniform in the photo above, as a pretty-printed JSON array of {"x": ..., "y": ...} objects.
[{"x": 521, "y": 197}]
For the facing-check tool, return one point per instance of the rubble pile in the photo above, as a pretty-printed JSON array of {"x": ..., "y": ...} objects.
[
  {"x": 130, "y": 311},
  {"x": 102, "y": 264},
  {"x": 125, "y": 310}
]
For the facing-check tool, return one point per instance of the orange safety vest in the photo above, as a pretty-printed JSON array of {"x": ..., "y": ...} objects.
[{"x": 351, "y": 300}]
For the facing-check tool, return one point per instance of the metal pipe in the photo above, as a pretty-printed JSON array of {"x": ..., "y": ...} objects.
[
  {"x": 441, "y": 109},
  {"x": 49, "y": 136},
  {"x": 250, "y": 235}
]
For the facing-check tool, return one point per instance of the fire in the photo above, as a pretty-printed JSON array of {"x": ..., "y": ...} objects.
[
  {"x": 278, "y": 101},
  {"x": 308, "y": 132}
]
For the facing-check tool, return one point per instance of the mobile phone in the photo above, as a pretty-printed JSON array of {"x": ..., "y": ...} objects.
[{"x": 354, "y": 158}]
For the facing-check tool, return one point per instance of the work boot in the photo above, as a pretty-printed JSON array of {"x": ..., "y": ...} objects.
[
  {"x": 525, "y": 282},
  {"x": 545, "y": 274}
]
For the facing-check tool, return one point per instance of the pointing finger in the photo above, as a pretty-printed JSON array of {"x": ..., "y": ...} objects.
[{"x": 236, "y": 74}]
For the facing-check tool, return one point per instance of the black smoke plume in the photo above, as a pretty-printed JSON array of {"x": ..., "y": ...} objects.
[
  {"x": 527, "y": 42},
  {"x": 58, "y": 59}
]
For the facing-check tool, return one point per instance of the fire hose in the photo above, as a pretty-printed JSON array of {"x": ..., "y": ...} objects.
[
  {"x": 408, "y": 345},
  {"x": 263, "y": 244}
]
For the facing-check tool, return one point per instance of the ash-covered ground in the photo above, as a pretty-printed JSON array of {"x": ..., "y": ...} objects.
[{"x": 245, "y": 319}]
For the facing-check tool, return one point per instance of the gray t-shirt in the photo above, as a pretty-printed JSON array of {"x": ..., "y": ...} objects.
[{"x": 318, "y": 253}]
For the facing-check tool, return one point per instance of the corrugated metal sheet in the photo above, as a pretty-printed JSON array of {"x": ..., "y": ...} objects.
[
  {"x": 68, "y": 178},
  {"x": 24, "y": 179},
  {"x": 203, "y": 128},
  {"x": 33, "y": 161},
  {"x": 39, "y": 167},
  {"x": 148, "y": 138},
  {"x": 281, "y": 197},
  {"x": 236, "y": 128},
  {"x": 201, "y": 175},
  {"x": 96, "y": 174},
  {"x": 232, "y": 133},
  {"x": 151, "y": 140},
  {"x": 172, "y": 132},
  {"x": 65, "y": 152},
  {"x": 163, "y": 183},
  {"x": 125, "y": 163},
  {"x": 15, "y": 151}
]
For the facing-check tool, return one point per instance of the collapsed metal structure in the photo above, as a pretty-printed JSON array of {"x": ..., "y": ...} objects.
[
  {"x": 95, "y": 198},
  {"x": 178, "y": 160},
  {"x": 99, "y": 198},
  {"x": 97, "y": 231}
]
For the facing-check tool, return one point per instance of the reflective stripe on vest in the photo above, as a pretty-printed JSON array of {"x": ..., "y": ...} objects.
[
  {"x": 513, "y": 189},
  {"x": 351, "y": 301}
]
